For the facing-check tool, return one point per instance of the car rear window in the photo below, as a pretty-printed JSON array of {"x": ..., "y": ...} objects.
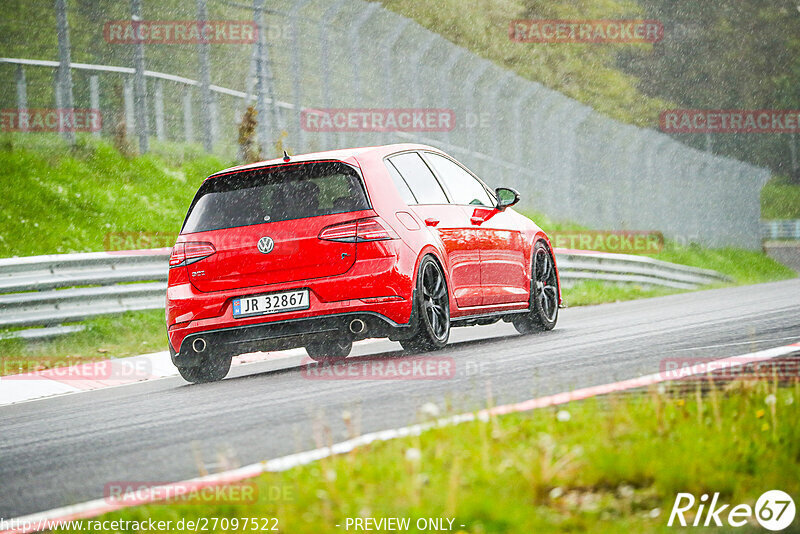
[{"x": 275, "y": 194}]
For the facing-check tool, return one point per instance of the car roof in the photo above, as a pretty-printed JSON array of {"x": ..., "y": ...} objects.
[{"x": 337, "y": 155}]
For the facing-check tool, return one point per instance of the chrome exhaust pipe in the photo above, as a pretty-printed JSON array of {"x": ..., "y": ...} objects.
[
  {"x": 199, "y": 344},
  {"x": 357, "y": 326}
]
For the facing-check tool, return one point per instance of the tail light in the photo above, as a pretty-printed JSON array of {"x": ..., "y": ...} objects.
[
  {"x": 358, "y": 232},
  {"x": 187, "y": 253}
]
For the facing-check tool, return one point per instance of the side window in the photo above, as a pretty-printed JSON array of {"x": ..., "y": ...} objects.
[
  {"x": 402, "y": 186},
  {"x": 420, "y": 179},
  {"x": 463, "y": 187}
]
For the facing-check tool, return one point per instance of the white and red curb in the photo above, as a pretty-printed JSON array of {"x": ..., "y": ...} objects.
[{"x": 57, "y": 516}]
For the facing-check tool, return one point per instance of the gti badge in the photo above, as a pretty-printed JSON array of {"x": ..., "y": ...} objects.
[{"x": 265, "y": 245}]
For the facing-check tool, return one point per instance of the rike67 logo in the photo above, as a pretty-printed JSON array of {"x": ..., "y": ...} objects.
[{"x": 774, "y": 510}]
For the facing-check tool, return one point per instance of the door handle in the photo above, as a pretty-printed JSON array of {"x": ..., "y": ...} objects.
[
  {"x": 476, "y": 220},
  {"x": 430, "y": 221}
]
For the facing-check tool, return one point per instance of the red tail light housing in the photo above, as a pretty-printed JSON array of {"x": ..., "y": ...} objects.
[
  {"x": 361, "y": 231},
  {"x": 188, "y": 253}
]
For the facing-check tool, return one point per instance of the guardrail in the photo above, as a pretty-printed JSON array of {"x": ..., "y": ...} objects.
[
  {"x": 781, "y": 229},
  {"x": 52, "y": 290},
  {"x": 579, "y": 265}
]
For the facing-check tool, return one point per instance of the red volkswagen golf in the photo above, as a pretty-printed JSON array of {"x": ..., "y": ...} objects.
[{"x": 320, "y": 250}]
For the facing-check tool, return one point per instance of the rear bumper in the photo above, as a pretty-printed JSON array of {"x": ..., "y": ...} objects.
[
  {"x": 382, "y": 299},
  {"x": 378, "y": 289},
  {"x": 286, "y": 334}
]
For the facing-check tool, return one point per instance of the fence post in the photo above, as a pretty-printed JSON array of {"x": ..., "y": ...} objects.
[
  {"x": 324, "y": 27},
  {"x": 139, "y": 83},
  {"x": 416, "y": 61},
  {"x": 445, "y": 83},
  {"x": 205, "y": 81},
  {"x": 499, "y": 146},
  {"x": 250, "y": 83},
  {"x": 355, "y": 48},
  {"x": 64, "y": 73},
  {"x": 57, "y": 90},
  {"x": 94, "y": 99},
  {"x": 297, "y": 88},
  {"x": 159, "y": 109},
  {"x": 130, "y": 115},
  {"x": 519, "y": 150},
  {"x": 264, "y": 125},
  {"x": 188, "y": 129},
  {"x": 22, "y": 95},
  {"x": 471, "y": 97},
  {"x": 388, "y": 82},
  {"x": 214, "y": 114}
]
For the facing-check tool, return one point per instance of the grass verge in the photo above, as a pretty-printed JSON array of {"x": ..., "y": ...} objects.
[
  {"x": 110, "y": 336},
  {"x": 612, "y": 464},
  {"x": 585, "y": 72},
  {"x": 58, "y": 199},
  {"x": 780, "y": 199}
]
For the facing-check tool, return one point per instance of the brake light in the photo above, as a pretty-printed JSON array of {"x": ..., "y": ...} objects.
[
  {"x": 372, "y": 230},
  {"x": 187, "y": 253},
  {"x": 357, "y": 232},
  {"x": 341, "y": 232}
]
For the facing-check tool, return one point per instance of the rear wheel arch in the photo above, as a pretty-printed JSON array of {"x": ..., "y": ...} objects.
[
  {"x": 430, "y": 250},
  {"x": 430, "y": 317},
  {"x": 545, "y": 292},
  {"x": 437, "y": 255},
  {"x": 542, "y": 237}
]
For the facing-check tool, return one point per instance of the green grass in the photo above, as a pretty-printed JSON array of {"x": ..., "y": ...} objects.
[
  {"x": 604, "y": 465},
  {"x": 586, "y": 72},
  {"x": 54, "y": 199},
  {"x": 111, "y": 336},
  {"x": 780, "y": 199},
  {"x": 593, "y": 292},
  {"x": 743, "y": 266}
]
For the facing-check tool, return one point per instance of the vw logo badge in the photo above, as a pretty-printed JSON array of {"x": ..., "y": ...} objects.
[{"x": 265, "y": 245}]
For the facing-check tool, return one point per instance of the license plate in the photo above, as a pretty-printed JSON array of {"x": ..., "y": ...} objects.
[{"x": 271, "y": 303}]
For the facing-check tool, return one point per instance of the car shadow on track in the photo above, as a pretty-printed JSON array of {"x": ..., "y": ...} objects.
[{"x": 452, "y": 352}]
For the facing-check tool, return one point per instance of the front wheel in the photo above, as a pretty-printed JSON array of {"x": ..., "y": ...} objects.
[
  {"x": 543, "y": 312},
  {"x": 432, "y": 306},
  {"x": 213, "y": 367}
]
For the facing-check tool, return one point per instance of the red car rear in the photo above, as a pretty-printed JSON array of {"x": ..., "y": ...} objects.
[{"x": 317, "y": 251}]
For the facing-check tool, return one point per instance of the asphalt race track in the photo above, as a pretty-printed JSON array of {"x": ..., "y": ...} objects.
[{"x": 60, "y": 451}]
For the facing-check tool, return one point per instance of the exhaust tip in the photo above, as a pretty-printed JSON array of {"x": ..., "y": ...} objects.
[
  {"x": 199, "y": 344},
  {"x": 357, "y": 326}
]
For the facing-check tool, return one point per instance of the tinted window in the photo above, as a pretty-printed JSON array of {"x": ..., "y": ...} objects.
[
  {"x": 401, "y": 184},
  {"x": 462, "y": 186},
  {"x": 419, "y": 178},
  {"x": 275, "y": 194}
]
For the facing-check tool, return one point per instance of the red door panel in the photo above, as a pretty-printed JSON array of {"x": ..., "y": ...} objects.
[
  {"x": 460, "y": 243},
  {"x": 503, "y": 272}
]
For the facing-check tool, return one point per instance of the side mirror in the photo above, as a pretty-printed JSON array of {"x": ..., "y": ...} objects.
[{"x": 506, "y": 197}]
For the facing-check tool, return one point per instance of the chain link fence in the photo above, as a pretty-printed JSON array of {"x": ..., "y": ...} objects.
[{"x": 567, "y": 160}]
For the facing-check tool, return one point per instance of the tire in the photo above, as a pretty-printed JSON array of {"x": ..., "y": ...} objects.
[
  {"x": 432, "y": 307},
  {"x": 212, "y": 368},
  {"x": 543, "y": 313},
  {"x": 330, "y": 350}
]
